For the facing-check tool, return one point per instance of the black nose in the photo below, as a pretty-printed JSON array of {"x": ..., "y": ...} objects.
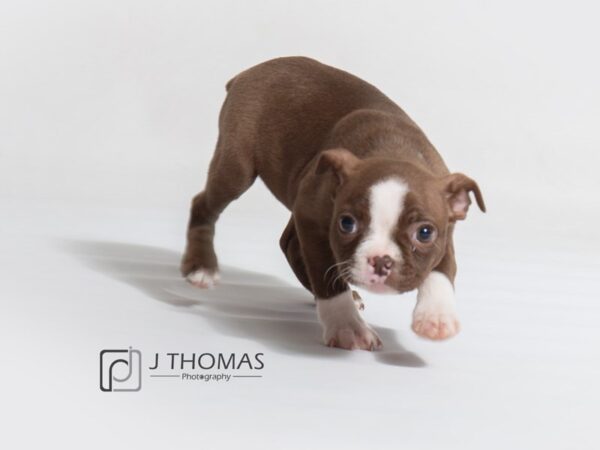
[{"x": 382, "y": 264}]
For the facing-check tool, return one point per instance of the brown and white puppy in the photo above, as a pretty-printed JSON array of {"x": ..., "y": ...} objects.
[{"x": 372, "y": 201}]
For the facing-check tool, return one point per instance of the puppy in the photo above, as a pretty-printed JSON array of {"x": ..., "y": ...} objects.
[{"x": 372, "y": 202}]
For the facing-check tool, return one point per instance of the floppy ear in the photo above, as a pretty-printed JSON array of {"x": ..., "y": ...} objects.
[
  {"x": 457, "y": 188},
  {"x": 338, "y": 160}
]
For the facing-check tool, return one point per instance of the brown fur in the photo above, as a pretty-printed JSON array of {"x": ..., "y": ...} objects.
[{"x": 282, "y": 120}]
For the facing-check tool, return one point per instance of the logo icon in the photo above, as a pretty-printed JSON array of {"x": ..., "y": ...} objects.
[{"x": 120, "y": 370}]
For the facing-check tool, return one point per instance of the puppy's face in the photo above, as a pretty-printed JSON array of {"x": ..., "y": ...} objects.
[{"x": 391, "y": 220}]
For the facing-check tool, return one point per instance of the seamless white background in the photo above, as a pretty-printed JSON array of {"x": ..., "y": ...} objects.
[{"x": 108, "y": 113}]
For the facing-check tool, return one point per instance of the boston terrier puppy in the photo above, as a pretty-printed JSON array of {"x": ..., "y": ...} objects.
[{"x": 372, "y": 202}]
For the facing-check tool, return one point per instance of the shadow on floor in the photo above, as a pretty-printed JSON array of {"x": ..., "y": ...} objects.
[{"x": 245, "y": 304}]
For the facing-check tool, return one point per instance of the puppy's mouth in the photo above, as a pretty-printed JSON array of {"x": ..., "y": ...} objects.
[{"x": 396, "y": 282}]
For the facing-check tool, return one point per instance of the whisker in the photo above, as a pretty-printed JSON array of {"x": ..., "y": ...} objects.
[
  {"x": 334, "y": 280},
  {"x": 333, "y": 266},
  {"x": 343, "y": 274}
]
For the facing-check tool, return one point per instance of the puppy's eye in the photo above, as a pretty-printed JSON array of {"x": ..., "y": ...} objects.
[
  {"x": 422, "y": 235},
  {"x": 347, "y": 224},
  {"x": 425, "y": 233}
]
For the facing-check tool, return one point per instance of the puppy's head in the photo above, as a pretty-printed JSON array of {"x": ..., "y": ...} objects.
[{"x": 391, "y": 219}]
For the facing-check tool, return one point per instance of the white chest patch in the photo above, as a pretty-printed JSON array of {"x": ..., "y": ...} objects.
[{"x": 386, "y": 202}]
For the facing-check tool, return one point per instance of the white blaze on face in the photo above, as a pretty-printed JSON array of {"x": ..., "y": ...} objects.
[{"x": 386, "y": 202}]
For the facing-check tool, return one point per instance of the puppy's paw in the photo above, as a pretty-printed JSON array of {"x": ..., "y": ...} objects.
[
  {"x": 352, "y": 336},
  {"x": 436, "y": 324},
  {"x": 203, "y": 278},
  {"x": 342, "y": 325}
]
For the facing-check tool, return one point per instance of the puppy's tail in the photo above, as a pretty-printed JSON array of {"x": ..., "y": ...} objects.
[{"x": 230, "y": 83}]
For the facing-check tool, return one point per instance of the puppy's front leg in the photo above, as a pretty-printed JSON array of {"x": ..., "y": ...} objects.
[
  {"x": 435, "y": 316},
  {"x": 338, "y": 312},
  {"x": 343, "y": 326}
]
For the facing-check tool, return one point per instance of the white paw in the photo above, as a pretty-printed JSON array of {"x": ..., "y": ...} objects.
[
  {"x": 435, "y": 314},
  {"x": 352, "y": 336},
  {"x": 203, "y": 278},
  {"x": 342, "y": 325},
  {"x": 436, "y": 324}
]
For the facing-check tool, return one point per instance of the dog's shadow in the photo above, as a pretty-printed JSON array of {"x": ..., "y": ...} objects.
[{"x": 245, "y": 304}]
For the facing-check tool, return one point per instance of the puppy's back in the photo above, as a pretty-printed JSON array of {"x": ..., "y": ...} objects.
[{"x": 286, "y": 108}]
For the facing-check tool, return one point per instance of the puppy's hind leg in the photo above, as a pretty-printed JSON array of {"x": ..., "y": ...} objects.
[{"x": 230, "y": 174}]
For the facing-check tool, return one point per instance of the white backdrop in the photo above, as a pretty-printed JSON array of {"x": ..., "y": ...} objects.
[{"x": 108, "y": 113}]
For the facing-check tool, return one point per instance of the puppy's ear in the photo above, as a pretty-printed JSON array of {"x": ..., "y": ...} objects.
[
  {"x": 338, "y": 160},
  {"x": 457, "y": 188}
]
